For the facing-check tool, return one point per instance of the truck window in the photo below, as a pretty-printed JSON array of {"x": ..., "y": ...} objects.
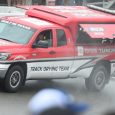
[
  {"x": 15, "y": 32},
  {"x": 93, "y": 34},
  {"x": 46, "y": 36},
  {"x": 61, "y": 38}
]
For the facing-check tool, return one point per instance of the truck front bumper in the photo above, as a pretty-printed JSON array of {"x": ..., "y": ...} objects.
[{"x": 3, "y": 70}]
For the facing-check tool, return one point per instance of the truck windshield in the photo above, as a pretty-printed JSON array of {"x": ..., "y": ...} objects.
[
  {"x": 13, "y": 32},
  {"x": 96, "y": 34}
]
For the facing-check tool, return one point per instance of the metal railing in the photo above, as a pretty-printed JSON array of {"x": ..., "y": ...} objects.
[{"x": 108, "y": 4}]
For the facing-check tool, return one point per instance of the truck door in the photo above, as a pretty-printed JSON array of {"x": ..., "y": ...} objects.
[
  {"x": 64, "y": 51},
  {"x": 43, "y": 56}
]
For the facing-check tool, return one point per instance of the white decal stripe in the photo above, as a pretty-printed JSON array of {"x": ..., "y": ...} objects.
[
  {"x": 84, "y": 72},
  {"x": 48, "y": 70},
  {"x": 55, "y": 69}
]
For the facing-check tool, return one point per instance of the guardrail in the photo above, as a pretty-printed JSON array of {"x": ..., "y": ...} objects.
[{"x": 102, "y": 9}]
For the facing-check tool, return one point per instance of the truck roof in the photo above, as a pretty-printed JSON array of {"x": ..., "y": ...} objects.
[
  {"x": 30, "y": 21},
  {"x": 64, "y": 15},
  {"x": 39, "y": 16}
]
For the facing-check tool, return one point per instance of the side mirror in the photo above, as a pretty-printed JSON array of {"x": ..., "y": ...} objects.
[{"x": 40, "y": 44}]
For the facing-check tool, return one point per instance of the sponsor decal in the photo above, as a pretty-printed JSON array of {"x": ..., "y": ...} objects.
[
  {"x": 96, "y": 29},
  {"x": 100, "y": 50},
  {"x": 53, "y": 68},
  {"x": 80, "y": 51},
  {"x": 16, "y": 24},
  {"x": 90, "y": 50},
  {"x": 107, "y": 50}
]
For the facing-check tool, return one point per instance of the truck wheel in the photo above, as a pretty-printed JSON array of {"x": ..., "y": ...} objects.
[
  {"x": 97, "y": 79},
  {"x": 14, "y": 79}
]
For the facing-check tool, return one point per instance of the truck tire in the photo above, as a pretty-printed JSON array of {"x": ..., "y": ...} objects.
[
  {"x": 97, "y": 79},
  {"x": 14, "y": 79}
]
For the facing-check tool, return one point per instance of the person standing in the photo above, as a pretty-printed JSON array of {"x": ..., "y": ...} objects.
[
  {"x": 59, "y": 2},
  {"x": 69, "y": 2},
  {"x": 3, "y": 2},
  {"x": 79, "y": 2},
  {"x": 9, "y": 2}
]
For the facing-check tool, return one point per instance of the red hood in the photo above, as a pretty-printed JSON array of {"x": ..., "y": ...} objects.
[{"x": 6, "y": 46}]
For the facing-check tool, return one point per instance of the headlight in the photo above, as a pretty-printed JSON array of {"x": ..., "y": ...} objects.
[{"x": 4, "y": 56}]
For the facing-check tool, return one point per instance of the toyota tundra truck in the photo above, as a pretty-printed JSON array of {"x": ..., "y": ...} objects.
[{"x": 56, "y": 43}]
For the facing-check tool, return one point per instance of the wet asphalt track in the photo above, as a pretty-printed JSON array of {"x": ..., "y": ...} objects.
[{"x": 16, "y": 103}]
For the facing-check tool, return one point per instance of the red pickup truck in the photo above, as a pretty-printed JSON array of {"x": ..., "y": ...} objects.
[{"x": 55, "y": 43}]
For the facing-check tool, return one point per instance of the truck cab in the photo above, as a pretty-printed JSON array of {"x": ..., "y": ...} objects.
[{"x": 57, "y": 43}]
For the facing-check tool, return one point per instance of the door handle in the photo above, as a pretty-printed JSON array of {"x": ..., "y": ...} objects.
[{"x": 52, "y": 52}]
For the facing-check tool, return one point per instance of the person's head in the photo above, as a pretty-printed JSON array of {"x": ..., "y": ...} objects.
[
  {"x": 41, "y": 37},
  {"x": 50, "y": 99}
]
